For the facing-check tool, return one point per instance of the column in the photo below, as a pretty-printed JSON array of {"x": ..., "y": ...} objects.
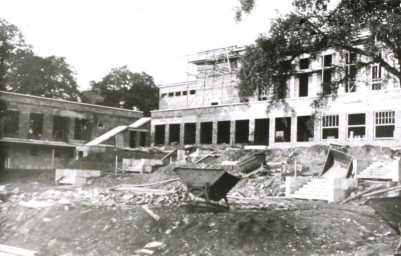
[
  {"x": 251, "y": 138},
  {"x": 214, "y": 133}
]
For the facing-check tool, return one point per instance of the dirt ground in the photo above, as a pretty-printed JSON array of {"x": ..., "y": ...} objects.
[
  {"x": 288, "y": 227},
  {"x": 96, "y": 220}
]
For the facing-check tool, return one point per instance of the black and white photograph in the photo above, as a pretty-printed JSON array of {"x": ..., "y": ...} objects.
[{"x": 200, "y": 127}]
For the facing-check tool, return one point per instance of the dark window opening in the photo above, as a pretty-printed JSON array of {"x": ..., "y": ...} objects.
[
  {"x": 142, "y": 138},
  {"x": 177, "y": 93},
  {"x": 171, "y": 94},
  {"x": 327, "y": 76},
  {"x": 81, "y": 130},
  {"x": 184, "y": 93},
  {"x": 190, "y": 133},
  {"x": 304, "y": 63},
  {"x": 327, "y": 81},
  {"x": 60, "y": 128},
  {"x": 223, "y": 132},
  {"x": 35, "y": 126},
  {"x": 174, "y": 133},
  {"x": 11, "y": 123},
  {"x": 303, "y": 85},
  {"x": 100, "y": 125},
  {"x": 80, "y": 154},
  {"x": 305, "y": 128},
  {"x": 214, "y": 103},
  {"x": 350, "y": 78},
  {"x": 132, "y": 139},
  {"x": 283, "y": 129},
  {"x": 327, "y": 60},
  {"x": 164, "y": 95},
  {"x": 192, "y": 92},
  {"x": 206, "y": 132},
  {"x": 233, "y": 64},
  {"x": 241, "y": 131},
  {"x": 385, "y": 131},
  {"x": 160, "y": 133},
  {"x": 262, "y": 131}
]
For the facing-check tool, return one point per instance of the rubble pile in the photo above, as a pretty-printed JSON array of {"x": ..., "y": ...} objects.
[{"x": 260, "y": 187}]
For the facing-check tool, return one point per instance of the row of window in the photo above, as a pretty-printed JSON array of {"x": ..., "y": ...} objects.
[
  {"x": 35, "y": 126},
  {"x": 179, "y": 93},
  {"x": 384, "y": 127}
]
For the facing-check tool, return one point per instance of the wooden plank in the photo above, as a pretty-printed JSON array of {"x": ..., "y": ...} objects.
[{"x": 15, "y": 251}]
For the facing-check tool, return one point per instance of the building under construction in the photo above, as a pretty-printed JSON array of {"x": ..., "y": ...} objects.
[
  {"x": 43, "y": 133},
  {"x": 209, "y": 111}
]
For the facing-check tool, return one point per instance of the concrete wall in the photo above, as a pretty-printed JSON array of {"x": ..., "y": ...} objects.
[
  {"x": 100, "y": 119},
  {"x": 36, "y": 157},
  {"x": 25, "y": 152}
]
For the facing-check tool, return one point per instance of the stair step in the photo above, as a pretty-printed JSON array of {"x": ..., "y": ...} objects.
[{"x": 302, "y": 196}]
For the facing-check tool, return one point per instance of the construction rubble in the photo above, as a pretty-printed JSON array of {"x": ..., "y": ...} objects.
[{"x": 130, "y": 212}]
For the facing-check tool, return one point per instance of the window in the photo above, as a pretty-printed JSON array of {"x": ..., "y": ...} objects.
[
  {"x": 171, "y": 94},
  {"x": 327, "y": 60},
  {"x": 376, "y": 77},
  {"x": 60, "y": 128},
  {"x": 35, "y": 126},
  {"x": 326, "y": 81},
  {"x": 233, "y": 64},
  {"x": 192, "y": 92},
  {"x": 350, "y": 72},
  {"x": 303, "y": 85},
  {"x": 214, "y": 103},
  {"x": 81, "y": 129},
  {"x": 241, "y": 131},
  {"x": 184, "y": 93},
  {"x": 330, "y": 127},
  {"x": 177, "y": 93},
  {"x": 164, "y": 95},
  {"x": 223, "y": 132},
  {"x": 356, "y": 126},
  {"x": 11, "y": 123},
  {"x": 283, "y": 129},
  {"x": 304, "y": 63},
  {"x": 384, "y": 124},
  {"x": 206, "y": 132}
]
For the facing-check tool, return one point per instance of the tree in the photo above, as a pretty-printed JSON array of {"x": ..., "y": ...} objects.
[
  {"x": 22, "y": 71},
  {"x": 11, "y": 43},
  {"x": 48, "y": 77},
  {"x": 365, "y": 28},
  {"x": 128, "y": 88}
]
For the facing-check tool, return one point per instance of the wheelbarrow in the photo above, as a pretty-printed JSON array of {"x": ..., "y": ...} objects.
[{"x": 209, "y": 184}]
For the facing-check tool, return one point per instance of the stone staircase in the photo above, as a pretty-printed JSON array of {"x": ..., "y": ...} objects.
[
  {"x": 317, "y": 189},
  {"x": 378, "y": 170}
]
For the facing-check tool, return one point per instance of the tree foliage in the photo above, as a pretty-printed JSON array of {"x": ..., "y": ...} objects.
[
  {"x": 22, "y": 71},
  {"x": 313, "y": 27},
  {"x": 131, "y": 89}
]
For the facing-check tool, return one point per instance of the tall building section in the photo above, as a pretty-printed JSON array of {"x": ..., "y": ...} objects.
[{"x": 209, "y": 111}]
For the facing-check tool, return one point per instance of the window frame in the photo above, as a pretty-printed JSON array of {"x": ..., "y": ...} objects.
[
  {"x": 355, "y": 126},
  {"x": 383, "y": 125},
  {"x": 336, "y": 120}
]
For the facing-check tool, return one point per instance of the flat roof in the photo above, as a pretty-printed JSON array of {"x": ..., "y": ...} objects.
[{"x": 67, "y": 101}]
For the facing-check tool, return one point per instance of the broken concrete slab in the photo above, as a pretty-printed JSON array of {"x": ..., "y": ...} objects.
[{"x": 74, "y": 176}]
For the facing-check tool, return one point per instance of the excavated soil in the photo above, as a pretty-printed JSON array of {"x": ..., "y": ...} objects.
[{"x": 95, "y": 220}]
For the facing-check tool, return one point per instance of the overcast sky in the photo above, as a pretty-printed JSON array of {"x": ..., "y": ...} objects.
[{"x": 152, "y": 36}]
